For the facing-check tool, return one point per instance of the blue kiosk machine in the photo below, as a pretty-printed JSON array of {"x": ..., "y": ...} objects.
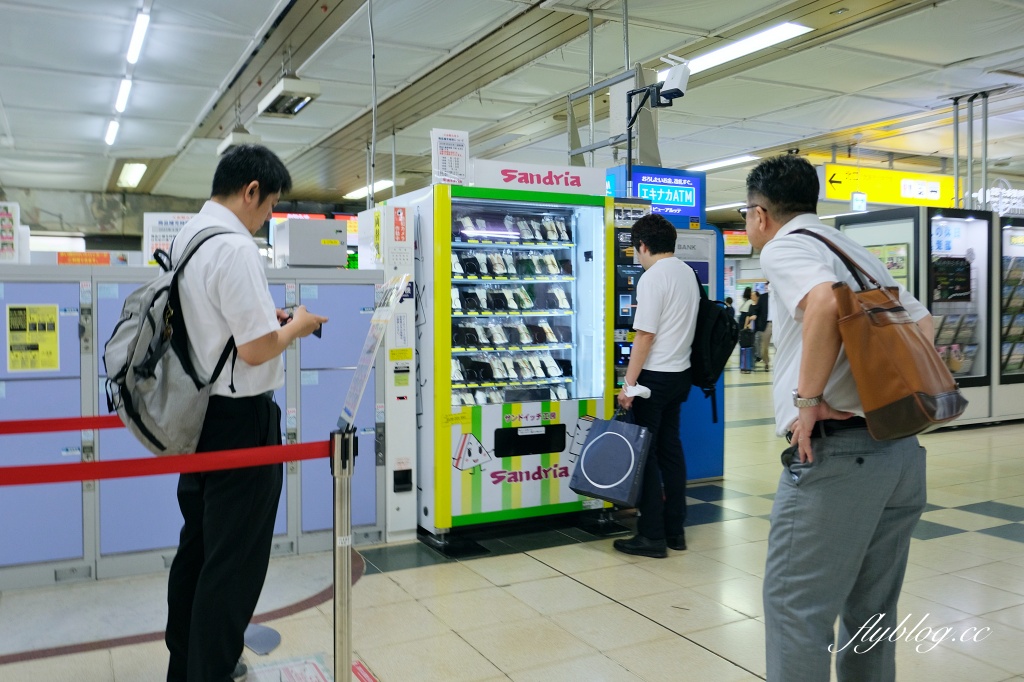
[{"x": 680, "y": 197}]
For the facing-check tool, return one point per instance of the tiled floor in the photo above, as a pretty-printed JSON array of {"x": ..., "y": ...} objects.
[{"x": 556, "y": 603}]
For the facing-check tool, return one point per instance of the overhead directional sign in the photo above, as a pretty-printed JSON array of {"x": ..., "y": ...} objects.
[{"x": 839, "y": 182}]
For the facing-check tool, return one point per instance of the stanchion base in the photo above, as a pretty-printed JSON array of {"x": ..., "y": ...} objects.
[{"x": 261, "y": 639}]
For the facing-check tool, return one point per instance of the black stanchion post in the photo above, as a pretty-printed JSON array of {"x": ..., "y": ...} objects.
[{"x": 343, "y": 461}]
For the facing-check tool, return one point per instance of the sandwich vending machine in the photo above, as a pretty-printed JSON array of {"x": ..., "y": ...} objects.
[{"x": 512, "y": 327}]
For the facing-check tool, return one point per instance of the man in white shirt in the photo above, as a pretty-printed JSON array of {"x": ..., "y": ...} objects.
[
  {"x": 665, "y": 321},
  {"x": 224, "y": 549},
  {"x": 846, "y": 504}
]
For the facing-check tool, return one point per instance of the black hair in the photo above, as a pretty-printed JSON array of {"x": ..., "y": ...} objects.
[
  {"x": 787, "y": 183},
  {"x": 746, "y": 294},
  {"x": 656, "y": 233},
  {"x": 728, "y": 299},
  {"x": 245, "y": 163}
]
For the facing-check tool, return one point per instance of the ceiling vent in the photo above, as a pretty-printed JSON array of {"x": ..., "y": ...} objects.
[{"x": 288, "y": 97}]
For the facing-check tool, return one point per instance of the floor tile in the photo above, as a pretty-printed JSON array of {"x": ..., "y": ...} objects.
[
  {"x": 444, "y": 658},
  {"x": 749, "y": 557},
  {"x": 983, "y": 544},
  {"x": 625, "y": 582},
  {"x": 684, "y": 610},
  {"x": 988, "y": 640},
  {"x": 94, "y": 666},
  {"x": 748, "y": 486},
  {"x": 999, "y": 510},
  {"x": 752, "y": 505},
  {"x": 375, "y": 590},
  {"x": 1000, "y": 574},
  {"x": 595, "y": 667},
  {"x": 962, "y": 594},
  {"x": 506, "y": 570},
  {"x": 575, "y": 558},
  {"x": 676, "y": 660},
  {"x": 712, "y": 493},
  {"x": 556, "y": 595},
  {"x": 398, "y": 557},
  {"x": 942, "y": 558},
  {"x": 960, "y": 518},
  {"x": 739, "y": 594},
  {"x": 479, "y": 608},
  {"x": 1014, "y": 617},
  {"x": 710, "y": 513},
  {"x": 430, "y": 581},
  {"x": 928, "y": 530},
  {"x": 1009, "y": 531},
  {"x": 611, "y": 626},
  {"x": 140, "y": 662},
  {"x": 741, "y": 642},
  {"x": 943, "y": 663},
  {"x": 393, "y": 624},
  {"x": 526, "y": 644},
  {"x": 689, "y": 569},
  {"x": 753, "y": 529}
]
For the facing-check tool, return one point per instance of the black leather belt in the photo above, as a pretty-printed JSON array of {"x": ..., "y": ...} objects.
[{"x": 830, "y": 427}]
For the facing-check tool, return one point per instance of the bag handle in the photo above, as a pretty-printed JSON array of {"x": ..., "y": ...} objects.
[{"x": 855, "y": 269}]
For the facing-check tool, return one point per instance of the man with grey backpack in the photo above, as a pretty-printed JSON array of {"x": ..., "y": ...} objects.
[{"x": 224, "y": 550}]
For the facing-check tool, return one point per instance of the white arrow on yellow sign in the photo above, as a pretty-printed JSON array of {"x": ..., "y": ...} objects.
[{"x": 886, "y": 186}]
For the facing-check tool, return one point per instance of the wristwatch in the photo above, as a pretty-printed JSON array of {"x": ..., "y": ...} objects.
[{"x": 805, "y": 402}]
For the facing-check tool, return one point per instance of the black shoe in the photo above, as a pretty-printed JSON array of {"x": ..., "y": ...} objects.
[
  {"x": 641, "y": 546},
  {"x": 241, "y": 671},
  {"x": 677, "y": 542}
]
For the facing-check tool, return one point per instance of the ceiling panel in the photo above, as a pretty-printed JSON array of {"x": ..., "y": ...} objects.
[
  {"x": 54, "y": 171},
  {"x": 484, "y": 109},
  {"x": 347, "y": 93},
  {"x": 349, "y": 61},
  {"x": 743, "y": 139},
  {"x": 708, "y": 15},
  {"x": 191, "y": 174},
  {"x": 734, "y": 97},
  {"x": 609, "y": 57},
  {"x": 834, "y": 69},
  {"x": 148, "y": 138},
  {"x": 57, "y": 127},
  {"x": 840, "y": 112},
  {"x": 176, "y": 55},
  {"x": 55, "y": 41},
  {"x": 170, "y": 102},
  {"x": 240, "y": 18},
  {"x": 931, "y": 90},
  {"x": 32, "y": 88},
  {"x": 945, "y": 33},
  {"x": 534, "y": 83}
]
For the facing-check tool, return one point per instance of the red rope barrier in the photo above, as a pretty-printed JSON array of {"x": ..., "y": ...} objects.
[
  {"x": 60, "y": 424},
  {"x": 153, "y": 466}
]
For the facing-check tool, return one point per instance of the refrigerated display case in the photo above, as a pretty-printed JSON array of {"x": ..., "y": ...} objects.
[
  {"x": 1008, "y": 387},
  {"x": 944, "y": 258},
  {"x": 512, "y": 323}
]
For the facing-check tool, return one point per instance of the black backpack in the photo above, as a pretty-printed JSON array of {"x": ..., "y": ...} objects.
[{"x": 713, "y": 344}]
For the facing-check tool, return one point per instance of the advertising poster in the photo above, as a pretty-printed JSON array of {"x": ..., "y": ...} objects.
[
  {"x": 9, "y": 221},
  {"x": 33, "y": 341},
  {"x": 895, "y": 259}
]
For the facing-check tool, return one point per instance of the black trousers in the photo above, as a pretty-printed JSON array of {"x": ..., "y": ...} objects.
[
  {"x": 662, "y": 502},
  {"x": 224, "y": 551}
]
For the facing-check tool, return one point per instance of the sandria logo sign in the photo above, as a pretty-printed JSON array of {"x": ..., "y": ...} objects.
[
  {"x": 565, "y": 179},
  {"x": 540, "y": 473}
]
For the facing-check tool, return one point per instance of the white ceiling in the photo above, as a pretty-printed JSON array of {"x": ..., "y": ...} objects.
[{"x": 888, "y": 80}]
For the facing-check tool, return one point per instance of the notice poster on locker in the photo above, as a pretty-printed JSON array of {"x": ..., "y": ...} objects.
[{"x": 33, "y": 339}]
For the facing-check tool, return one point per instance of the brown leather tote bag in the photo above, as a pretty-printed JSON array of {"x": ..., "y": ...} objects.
[{"x": 903, "y": 384}]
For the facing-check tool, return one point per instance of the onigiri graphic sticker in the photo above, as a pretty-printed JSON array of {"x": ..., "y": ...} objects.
[{"x": 469, "y": 453}]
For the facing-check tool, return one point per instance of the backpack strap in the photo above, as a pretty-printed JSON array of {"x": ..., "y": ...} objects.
[
  {"x": 708, "y": 392},
  {"x": 198, "y": 239}
]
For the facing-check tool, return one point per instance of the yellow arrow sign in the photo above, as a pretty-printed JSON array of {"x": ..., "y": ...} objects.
[{"x": 887, "y": 186}]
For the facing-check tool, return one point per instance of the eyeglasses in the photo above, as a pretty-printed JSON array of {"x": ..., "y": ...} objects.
[{"x": 743, "y": 211}]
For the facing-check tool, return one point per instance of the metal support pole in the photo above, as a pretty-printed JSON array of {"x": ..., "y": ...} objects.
[
  {"x": 394, "y": 164},
  {"x": 956, "y": 152},
  {"x": 625, "y": 31},
  {"x": 590, "y": 35},
  {"x": 369, "y": 182},
  {"x": 984, "y": 150},
  {"x": 970, "y": 151},
  {"x": 343, "y": 461}
]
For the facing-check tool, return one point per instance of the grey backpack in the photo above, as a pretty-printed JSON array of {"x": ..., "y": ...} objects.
[{"x": 152, "y": 383}]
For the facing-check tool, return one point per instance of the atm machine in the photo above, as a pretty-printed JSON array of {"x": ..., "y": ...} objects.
[{"x": 945, "y": 257}]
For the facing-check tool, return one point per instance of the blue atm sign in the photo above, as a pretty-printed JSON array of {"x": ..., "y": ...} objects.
[{"x": 670, "y": 195}]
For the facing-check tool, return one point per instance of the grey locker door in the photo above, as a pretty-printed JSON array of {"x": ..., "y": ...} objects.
[
  {"x": 281, "y": 398},
  {"x": 349, "y": 308},
  {"x": 323, "y": 393},
  {"x": 40, "y": 522}
]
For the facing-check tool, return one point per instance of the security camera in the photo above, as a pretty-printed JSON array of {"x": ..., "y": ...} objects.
[{"x": 676, "y": 77}]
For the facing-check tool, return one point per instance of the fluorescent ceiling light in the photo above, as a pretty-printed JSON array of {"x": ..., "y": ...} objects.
[
  {"x": 236, "y": 138},
  {"x": 138, "y": 35},
  {"x": 122, "y": 95},
  {"x": 734, "y": 161},
  {"x": 741, "y": 48},
  {"x": 720, "y": 207},
  {"x": 839, "y": 215},
  {"x": 112, "y": 132},
  {"x": 378, "y": 186},
  {"x": 131, "y": 175}
]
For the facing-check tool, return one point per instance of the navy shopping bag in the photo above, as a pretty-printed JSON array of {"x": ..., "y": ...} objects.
[{"x": 611, "y": 463}]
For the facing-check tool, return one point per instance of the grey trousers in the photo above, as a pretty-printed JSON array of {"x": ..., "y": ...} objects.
[{"x": 838, "y": 545}]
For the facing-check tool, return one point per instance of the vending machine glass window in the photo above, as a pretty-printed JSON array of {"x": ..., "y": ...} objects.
[
  {"x": 1011, "y": 324},
  {"x": 958, "y": 291},
  {"x": 525, "y": 323}
]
